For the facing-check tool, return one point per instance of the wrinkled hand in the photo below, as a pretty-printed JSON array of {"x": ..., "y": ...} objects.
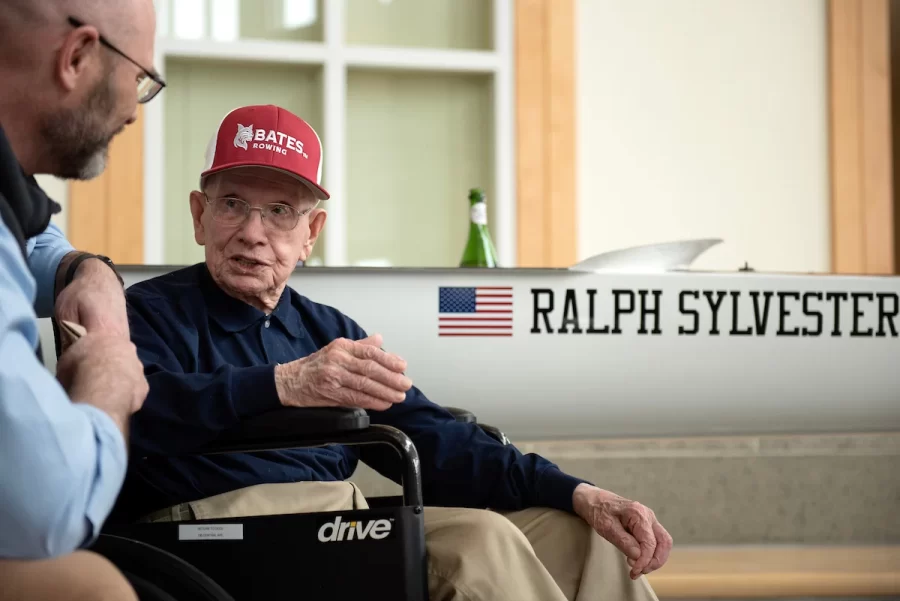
[
  {"x": 346, "y": 373},
  {"x": 103, "y": 370},
  {"x": 630, "y": 526},
  {"x": 94, "y": 300}
]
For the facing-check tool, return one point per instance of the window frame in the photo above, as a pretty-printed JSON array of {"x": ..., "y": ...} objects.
[{"x": 336, "y": 58}]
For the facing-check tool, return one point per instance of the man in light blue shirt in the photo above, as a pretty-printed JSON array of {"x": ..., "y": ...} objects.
[
  {"x": 73, "y": 72},
  {"x": 45, "y": 252},
  {"x": 55, "y": 495}
]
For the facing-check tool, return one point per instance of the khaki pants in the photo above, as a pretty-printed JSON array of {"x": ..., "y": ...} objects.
[{"x": 473, "y": 554}]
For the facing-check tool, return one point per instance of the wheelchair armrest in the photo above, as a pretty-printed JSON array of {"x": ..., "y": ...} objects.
[
  {"x": 467, "y": 417},
  {"x": 289, "y": 428},
  {"x": 462, "y": 415},
  {"x": 295, "y": 428},
  {"x": 495, "y": 433}
]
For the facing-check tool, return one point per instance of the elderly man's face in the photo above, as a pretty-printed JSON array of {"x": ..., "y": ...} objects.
[{"x": 251, "y": 258}]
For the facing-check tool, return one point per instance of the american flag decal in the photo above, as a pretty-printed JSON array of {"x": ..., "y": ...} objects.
[{"x": 476, "y": 311}]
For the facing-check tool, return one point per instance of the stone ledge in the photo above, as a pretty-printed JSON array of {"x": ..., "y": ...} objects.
[
  {"x": 766, "y": 571},
  {"x": 863, "y": 444},
  {"x": 825, "y": 489}
]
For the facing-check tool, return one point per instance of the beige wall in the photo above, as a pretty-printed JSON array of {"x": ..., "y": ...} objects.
[{"x": 705, "y": 118}]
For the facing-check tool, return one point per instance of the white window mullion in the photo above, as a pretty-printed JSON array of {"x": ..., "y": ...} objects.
[
  {"x": 336, "y": 58},
  {"x": 422, "y": 59},
  {"x": 504, "y": 132},
  {"x": 295, "y": 53},
  {"x": 154, "y": 170},
  {"x": 335, "y": 99},
  {"x": 163, "y": 18}
]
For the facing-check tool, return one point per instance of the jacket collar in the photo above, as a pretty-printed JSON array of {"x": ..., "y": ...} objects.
[
  {"x": 234, "y": 315},
  {"x": 31, "y": 208}
]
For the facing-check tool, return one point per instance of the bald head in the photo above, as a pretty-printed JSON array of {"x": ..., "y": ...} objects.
[
  {"x": 27, "y": 23},
  {"x": 67, "y": 84},
  {"x": 103, "y": 12}
]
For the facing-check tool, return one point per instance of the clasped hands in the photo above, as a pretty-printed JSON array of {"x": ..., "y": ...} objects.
[
  {"x": 101, "y": 368},
  {"x": 345, "y": 373}
]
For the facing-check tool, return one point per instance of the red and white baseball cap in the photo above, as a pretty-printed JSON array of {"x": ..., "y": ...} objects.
[{"x": 267, "y": 136}]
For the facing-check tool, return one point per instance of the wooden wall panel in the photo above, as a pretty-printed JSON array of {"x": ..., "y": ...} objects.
[
  {"x": 863, "y": 237},
  {"x": 545, "y": 133},
  {"x": 106, "y": 214},
  {"x": 87, "y": 214},
  {"x": 531, "y": 174},
  {"x": 876, "y": 110},
  {"x": 894, "y": 8},
  {"x": 562, "y": 212},
  {"x": 125, "y": 198}
]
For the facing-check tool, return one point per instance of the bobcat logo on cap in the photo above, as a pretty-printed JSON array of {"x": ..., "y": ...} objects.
[{"x": 244, "y": 135}]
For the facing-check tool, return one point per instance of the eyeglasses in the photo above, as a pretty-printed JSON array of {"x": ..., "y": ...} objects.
[
  {"x": 231, "y": 211},
  {"x": 149, "y": 84}
]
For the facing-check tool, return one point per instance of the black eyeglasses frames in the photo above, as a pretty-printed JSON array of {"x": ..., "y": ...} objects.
[{"x": 149, "y": 85}]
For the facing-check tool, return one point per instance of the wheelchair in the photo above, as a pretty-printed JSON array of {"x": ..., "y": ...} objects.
[{"x": 321, "y": 556}]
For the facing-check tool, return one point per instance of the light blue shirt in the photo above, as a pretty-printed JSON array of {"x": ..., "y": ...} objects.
[
  {"x": 45, "y": 251},
  {"x": 62, "y": 464}
]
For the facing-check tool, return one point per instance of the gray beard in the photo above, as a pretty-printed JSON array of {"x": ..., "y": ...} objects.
[
  {"x": 95, "y": 165},
  {"x": 77, "y": 140}
]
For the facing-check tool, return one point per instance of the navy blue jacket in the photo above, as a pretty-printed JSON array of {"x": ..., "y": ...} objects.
[{"x": 210, "y": 361}]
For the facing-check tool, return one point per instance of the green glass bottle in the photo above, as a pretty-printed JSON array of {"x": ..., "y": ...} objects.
[{"x": 479, "y": 251}]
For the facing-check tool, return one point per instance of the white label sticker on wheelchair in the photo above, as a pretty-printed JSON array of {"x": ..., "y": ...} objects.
[{"x": 211, "y": 532}]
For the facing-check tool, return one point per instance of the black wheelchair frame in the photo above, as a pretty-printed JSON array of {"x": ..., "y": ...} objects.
[{"x": 320, "y": 556}]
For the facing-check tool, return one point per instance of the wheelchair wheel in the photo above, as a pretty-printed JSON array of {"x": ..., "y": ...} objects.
[{"x": 157, "y": 575}]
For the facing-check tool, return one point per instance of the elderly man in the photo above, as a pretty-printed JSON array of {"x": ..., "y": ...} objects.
[
  {"x": 227, "y": 339},
  {"x": 67, "y": 91}
]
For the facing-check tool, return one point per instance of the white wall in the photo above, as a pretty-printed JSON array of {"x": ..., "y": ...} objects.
[{"x": 705, "y": 118}]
